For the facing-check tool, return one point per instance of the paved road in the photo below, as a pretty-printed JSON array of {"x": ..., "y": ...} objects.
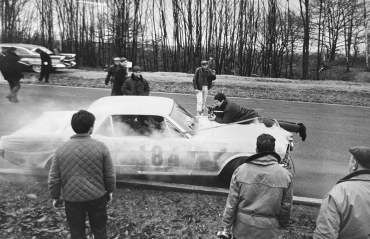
[{"x": 320, "y": 161}]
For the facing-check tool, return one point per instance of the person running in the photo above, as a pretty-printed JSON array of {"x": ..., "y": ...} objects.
[{"x": 12, "y": 72}]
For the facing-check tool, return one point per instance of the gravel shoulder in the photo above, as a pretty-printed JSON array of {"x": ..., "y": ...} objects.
[{"x": 332, "y": 92}]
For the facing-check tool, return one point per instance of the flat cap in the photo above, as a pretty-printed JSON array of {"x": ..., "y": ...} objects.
[
  {"x": 204, "y": 62},
  {"x": 136, "y": 68},
  {"x": 362, "y": 155},
  {"x": 116, "y": 59}
]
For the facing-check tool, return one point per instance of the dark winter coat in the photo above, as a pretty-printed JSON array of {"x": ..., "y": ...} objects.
[
  {"x": 119, "y": 78},
  {"x": 233, "y": 112},
  {"x": 260, "y": 198},
  {"x": 82, "y": 170},
  {"x": 45, "y": 60},
  {"x": 198, "y": 78},
  {"x": 111, "y": 73},
  {"x": 135, "y": 86},
  {"x": 10, "y": 67},
  {"x": 212, "y": 65}
]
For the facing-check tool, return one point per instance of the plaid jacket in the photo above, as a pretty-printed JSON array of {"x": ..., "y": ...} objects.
[{"x": 82, "y": 170}]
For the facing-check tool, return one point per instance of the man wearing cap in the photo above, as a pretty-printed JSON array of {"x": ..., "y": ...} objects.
[
  {"x": 260, "y": 195},
  {"x": 345, "y": 210},
  {"x": 12, "y": 73},
  {"x": 120, "y": 76},
  {"x": 45, "y": 65},
  {"x": 202, "y": 82},
  {"x": 136, "y": 84},
  {"x": 111, "y": 72}
]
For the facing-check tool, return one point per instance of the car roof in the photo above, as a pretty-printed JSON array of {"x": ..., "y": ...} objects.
[
  {"x": 132, "y": 105},
  {"x": 27, "y": 46}
]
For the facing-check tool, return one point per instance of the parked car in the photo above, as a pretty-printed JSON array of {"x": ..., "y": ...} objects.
[
  {"x": 31, "y": 60},
  {"x": 153, "y": 136}
]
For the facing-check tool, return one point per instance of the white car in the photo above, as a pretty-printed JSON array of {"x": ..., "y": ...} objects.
[{"x": 147, "y": 135}]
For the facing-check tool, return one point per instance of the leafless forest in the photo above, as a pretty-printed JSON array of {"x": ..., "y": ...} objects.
[{"x": 246, "y": 37}]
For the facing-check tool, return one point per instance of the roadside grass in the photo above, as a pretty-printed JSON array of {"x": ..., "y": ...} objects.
[
  {"x": 26, "y": 212},
  {"x": 331, "y": 92}
]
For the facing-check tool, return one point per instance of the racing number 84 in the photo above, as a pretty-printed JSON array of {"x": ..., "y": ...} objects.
[{"x": 157, "y": 156}]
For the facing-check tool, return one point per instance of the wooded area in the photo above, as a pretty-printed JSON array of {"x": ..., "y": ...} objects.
[{"x": 246, "y": 37}]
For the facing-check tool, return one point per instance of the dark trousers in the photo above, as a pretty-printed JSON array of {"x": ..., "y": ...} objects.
[
  {"x": 45, "y": 72},
  {"x": 288, "y": 126},
  {"x": 14, "y": 86},
  {"x": 97, "y": 213}
]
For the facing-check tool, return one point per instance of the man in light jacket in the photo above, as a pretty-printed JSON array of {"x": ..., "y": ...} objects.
[
  {"x": 345, "y": 210},
  {"x": 261, "y": 195},
  {"x": 82, "y": 175}
]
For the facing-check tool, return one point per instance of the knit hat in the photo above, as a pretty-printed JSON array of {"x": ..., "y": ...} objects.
[
  {"x": 362, "y": 155},
  {"x": 136, "y": 68}
]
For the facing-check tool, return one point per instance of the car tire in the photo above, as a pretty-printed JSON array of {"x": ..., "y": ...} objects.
[
  {"x": 228, "y": 170},
  {"x": 36, "y": 68}
]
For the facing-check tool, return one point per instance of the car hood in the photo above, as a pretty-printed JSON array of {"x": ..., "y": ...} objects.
[{"x": 245, "y": 135}]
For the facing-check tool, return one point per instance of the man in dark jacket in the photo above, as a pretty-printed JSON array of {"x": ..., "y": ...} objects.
[
  {"x": 232, "y": 112},
  {"x": 45, "y": 65},
  {"x": 120, "y": 76},
  {"x": 111, "y": 72},
  {"x": 12, "y": 72},
  {"x": 260, "y": 196},
  {"x": 136, "y": 84},
  {"x": 345, "y": 210},
  {"x": 212, "y": 64},
  {"x": 82, "y": 172},
  {"x": 202, "y": 82}
]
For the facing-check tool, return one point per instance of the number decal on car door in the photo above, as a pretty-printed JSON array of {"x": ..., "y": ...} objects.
[{"x": 157, "y": 155}]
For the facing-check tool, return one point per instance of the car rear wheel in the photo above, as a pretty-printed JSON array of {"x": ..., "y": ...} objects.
[
  {"x": 36, "y": 68},
  {"x": 228, "y": 170}
]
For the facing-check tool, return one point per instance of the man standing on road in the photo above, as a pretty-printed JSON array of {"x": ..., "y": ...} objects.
[
  {"x": 136, "y": 84},
  {"x": 202, "y": 82},
  {"x": 111, "y": 73},
  {"x": 45, "y": 65},
  {"x": 260, "y": 196},
  {"x": 232, "y": 112},
  {"x": 82, "y": 172},
  {"x": 120, "y": 76},
  {"x": 345, "y": 210},
  {"x": 212, "y": 64},
  {"x": 12, "y": 72}
]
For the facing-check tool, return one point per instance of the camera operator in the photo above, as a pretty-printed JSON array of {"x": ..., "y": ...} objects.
[{"x": 229, "y": 112}]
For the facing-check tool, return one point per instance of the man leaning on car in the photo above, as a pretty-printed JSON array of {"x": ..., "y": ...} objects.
[
  {"x": 45, "y": 65},
  {"x": 82, "y": 172}
]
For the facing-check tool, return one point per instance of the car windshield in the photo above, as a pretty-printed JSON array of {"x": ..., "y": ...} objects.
[
  {"x": 184, "y": 118},
  {"x": 43, "y": 49}
]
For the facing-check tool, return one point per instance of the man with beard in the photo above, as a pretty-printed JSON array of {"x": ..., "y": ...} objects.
[
  {"x": 45, "y": 65},
  {"x": 11, "y": 71},
  {"x": 111, "y": 73},
  {"x": 136, "y": 84},
  {"x": 120, "y": 76}
]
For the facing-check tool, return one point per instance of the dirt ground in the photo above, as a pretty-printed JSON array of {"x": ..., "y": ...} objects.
[{"x": 26, "y": 212}]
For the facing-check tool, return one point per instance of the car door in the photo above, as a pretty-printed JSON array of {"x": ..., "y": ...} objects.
[{"x": 135, "y": 152}]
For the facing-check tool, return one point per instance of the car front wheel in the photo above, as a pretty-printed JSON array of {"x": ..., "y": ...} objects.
[{"x": 36, "y": 68}]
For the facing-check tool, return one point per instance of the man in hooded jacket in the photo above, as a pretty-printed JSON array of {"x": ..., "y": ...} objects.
[
  {"x": 345, "y": 210},
  {"x": 136, "y": 84},
  {"x": 260, "y": 196}
]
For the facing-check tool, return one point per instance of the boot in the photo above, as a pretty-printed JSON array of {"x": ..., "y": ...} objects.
[{"x": 302, "y": 131}]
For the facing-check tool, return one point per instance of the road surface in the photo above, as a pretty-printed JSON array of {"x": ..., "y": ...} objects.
[{"x": 320, "y": 161}]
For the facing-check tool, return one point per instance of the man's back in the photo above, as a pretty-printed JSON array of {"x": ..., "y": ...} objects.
[
  {"x": 264, "y": 193},
  {"x": 85, "y": 169}
]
